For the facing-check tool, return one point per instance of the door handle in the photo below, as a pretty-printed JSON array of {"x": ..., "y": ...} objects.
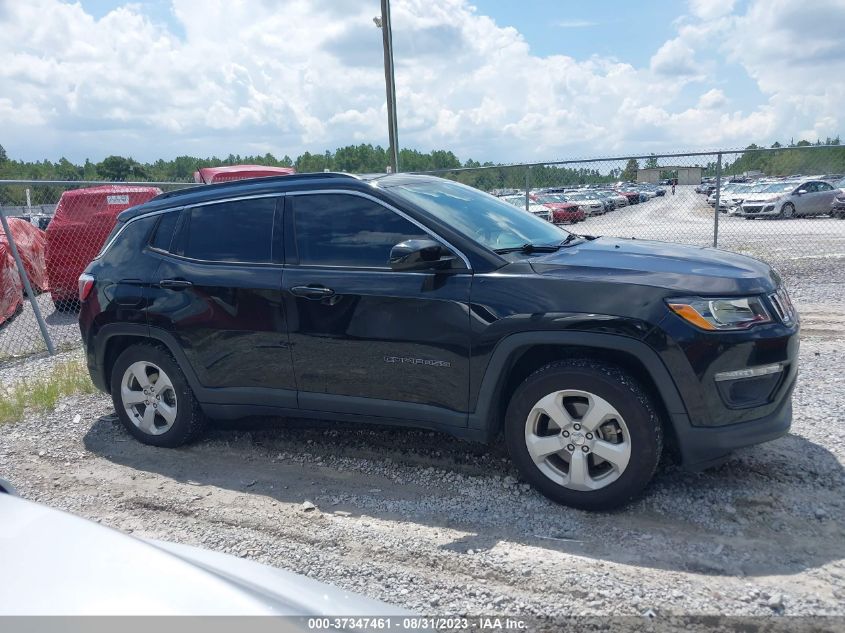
[
  {"x": 312, "y": 292},
  {"x": 175, "y": 284}
]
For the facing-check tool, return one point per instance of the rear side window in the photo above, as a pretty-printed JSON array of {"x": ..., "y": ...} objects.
[
  {"x": 345, "y": 230},
  {"x": 164, "y": 231},
  {"x": 240, "y": 231}
]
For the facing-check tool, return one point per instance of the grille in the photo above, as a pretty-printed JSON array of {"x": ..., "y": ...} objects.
[
  {"x": 782, "y": 305},
  {"x": 751, "y": 209}
]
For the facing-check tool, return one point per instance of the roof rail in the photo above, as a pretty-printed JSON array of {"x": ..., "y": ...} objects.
[{"x": 234, "y": 184}]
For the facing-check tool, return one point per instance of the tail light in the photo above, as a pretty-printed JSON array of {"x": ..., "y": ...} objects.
[{"x": 86, "y": 285}]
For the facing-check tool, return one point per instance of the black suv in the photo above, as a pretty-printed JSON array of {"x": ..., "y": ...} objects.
[{"x": 417, "y": 301}]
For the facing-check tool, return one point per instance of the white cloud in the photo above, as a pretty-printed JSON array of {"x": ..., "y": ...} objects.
[
  {"x": 713, "y": 99},
  {"x": 246, "y": 77},
  {"x": 675, "y": 58}
]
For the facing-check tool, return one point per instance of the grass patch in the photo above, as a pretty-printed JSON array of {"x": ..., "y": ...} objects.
[{"x": 42, "y": 394}]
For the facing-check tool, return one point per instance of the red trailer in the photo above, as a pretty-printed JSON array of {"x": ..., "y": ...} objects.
[
  {"x": 83, "y": 220},
  {"x": 210, "y": 175}
]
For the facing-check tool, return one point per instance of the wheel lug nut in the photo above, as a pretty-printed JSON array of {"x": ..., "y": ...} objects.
[
  {"x": 586, "y": 449},
  {"x": 570, "y": 448},
  {"x": 577, "y": 427},
  {"x": 589, "y": 436},
  {"x": 566, "y": 434}
]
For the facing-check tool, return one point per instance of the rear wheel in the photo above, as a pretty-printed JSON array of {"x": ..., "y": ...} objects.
[
  {"x": 152, "y": 398},
  {"x": 584, "y": 434}
]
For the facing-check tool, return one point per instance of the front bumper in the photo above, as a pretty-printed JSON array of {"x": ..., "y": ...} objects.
[
  {"x": 759, "y": 210},
  {"x": 725, "y": 407},
  {"x": 702, "y": 447}
]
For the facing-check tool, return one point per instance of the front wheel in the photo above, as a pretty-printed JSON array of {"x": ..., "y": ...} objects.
[
  {"x": 787, "y": 211},
  {"x": 584, "y": 433},
  {"x": 152, "y": 398}
]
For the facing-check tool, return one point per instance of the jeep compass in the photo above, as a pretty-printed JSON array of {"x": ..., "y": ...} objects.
[{"x": 417, "y": 301}]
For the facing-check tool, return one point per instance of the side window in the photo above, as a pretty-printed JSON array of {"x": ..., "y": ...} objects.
[
  {"x": 240, "y": 231},
  {"x": 809, "y": 187},
  {"x": 345, "y": 230},
  {"x": 823, "y": 186},
  {"x": 164, "y": 230}
]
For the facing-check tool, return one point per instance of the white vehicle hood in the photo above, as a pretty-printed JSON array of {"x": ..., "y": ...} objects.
[{"x": 54, "y": 563}]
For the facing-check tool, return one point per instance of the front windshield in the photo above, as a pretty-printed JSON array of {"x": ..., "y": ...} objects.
[{"x": 488, "y": 220}]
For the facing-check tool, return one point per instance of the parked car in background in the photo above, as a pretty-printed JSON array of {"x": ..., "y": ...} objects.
[
  {"x": 589, "y": 203},
  {"x": 630, "y": 194},
  {"x": 563, "y": 211},
  {"x": 791, "y": 198},
  {"x": 58, "y": 564},
  {"x": 540, "y": 210},
  {"x": 83, "y": 220}
]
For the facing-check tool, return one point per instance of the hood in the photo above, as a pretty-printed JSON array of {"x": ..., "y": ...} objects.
[
  {"x": 561, "y": 206},
  {"x": 762, "y": 197},
  {"x": 55, "y": 563},
  {"x": 676, "y": 267}
]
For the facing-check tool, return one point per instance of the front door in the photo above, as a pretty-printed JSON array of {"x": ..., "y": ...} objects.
[
  {"x": 368, "y": 340},
  {"x": 218, "y": 291}
]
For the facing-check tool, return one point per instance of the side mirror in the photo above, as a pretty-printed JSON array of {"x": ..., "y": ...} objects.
[
  {"x": 419, "y": 255},
  {"x": 800, "y": 192}
]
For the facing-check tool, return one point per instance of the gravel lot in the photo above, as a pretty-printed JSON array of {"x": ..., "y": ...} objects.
[{"x": 441, "y": 526}]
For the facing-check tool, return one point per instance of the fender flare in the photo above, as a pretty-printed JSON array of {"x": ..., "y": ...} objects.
[
  {"x": 484, "y": 417},
  {"x": 109, "y": 331}
]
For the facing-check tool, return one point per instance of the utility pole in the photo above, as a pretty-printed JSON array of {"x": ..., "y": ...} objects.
[{"x": 390, "y": 83}]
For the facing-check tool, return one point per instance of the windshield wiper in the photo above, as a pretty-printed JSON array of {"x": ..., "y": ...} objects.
[
  {"x": 529, "y": 248},
  {"x": 570, "y": 238}
]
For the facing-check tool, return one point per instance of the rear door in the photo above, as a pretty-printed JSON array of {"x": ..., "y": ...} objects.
[
  {"x": 366, "y": 339},
  {"x": 218, "y": 291}
]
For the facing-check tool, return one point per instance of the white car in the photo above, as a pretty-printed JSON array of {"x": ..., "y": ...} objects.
[
  {"x": 540, "y": 210},
  {"x": 589, "y": 203},
  {"x": 791, "y": 198},
  {"x": 57, "y": 564}
]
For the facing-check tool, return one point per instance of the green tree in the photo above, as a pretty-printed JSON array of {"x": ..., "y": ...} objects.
[
  {"x": 118, "y": 169},
  {"x": 3, "y": 157},
  {"x": 651, "y": 162},
  {"x": 630, "y": 171}
]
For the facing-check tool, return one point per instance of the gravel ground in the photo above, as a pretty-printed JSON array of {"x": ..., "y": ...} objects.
[{"x": 441, "y": 526}]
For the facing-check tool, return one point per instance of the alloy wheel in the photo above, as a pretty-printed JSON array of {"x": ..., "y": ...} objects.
[
  {"x": 148, "y": 398},
  {"x": 578, "y": 439}
]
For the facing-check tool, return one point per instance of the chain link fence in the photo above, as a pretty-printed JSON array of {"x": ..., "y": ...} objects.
[
  {"x": 57, "y": 228},
  {"x": 785, "y": 206}
]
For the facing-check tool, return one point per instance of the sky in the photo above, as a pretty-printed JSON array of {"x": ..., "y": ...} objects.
[{"x": 499, "y": 80}]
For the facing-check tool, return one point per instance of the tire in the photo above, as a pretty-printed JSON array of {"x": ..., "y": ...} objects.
[
  {"x": 787, "y": 211},
  {"x": 176, "y": 417},
  {"x": 630, "y": 434}
]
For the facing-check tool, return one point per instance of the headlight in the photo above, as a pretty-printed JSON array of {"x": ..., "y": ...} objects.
[{"x": 720, "y": 314}]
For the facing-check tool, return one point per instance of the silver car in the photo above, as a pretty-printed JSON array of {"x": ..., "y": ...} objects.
[
  {"x": 54, "y": 563},
  {"x": 791, "y": 198}
]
